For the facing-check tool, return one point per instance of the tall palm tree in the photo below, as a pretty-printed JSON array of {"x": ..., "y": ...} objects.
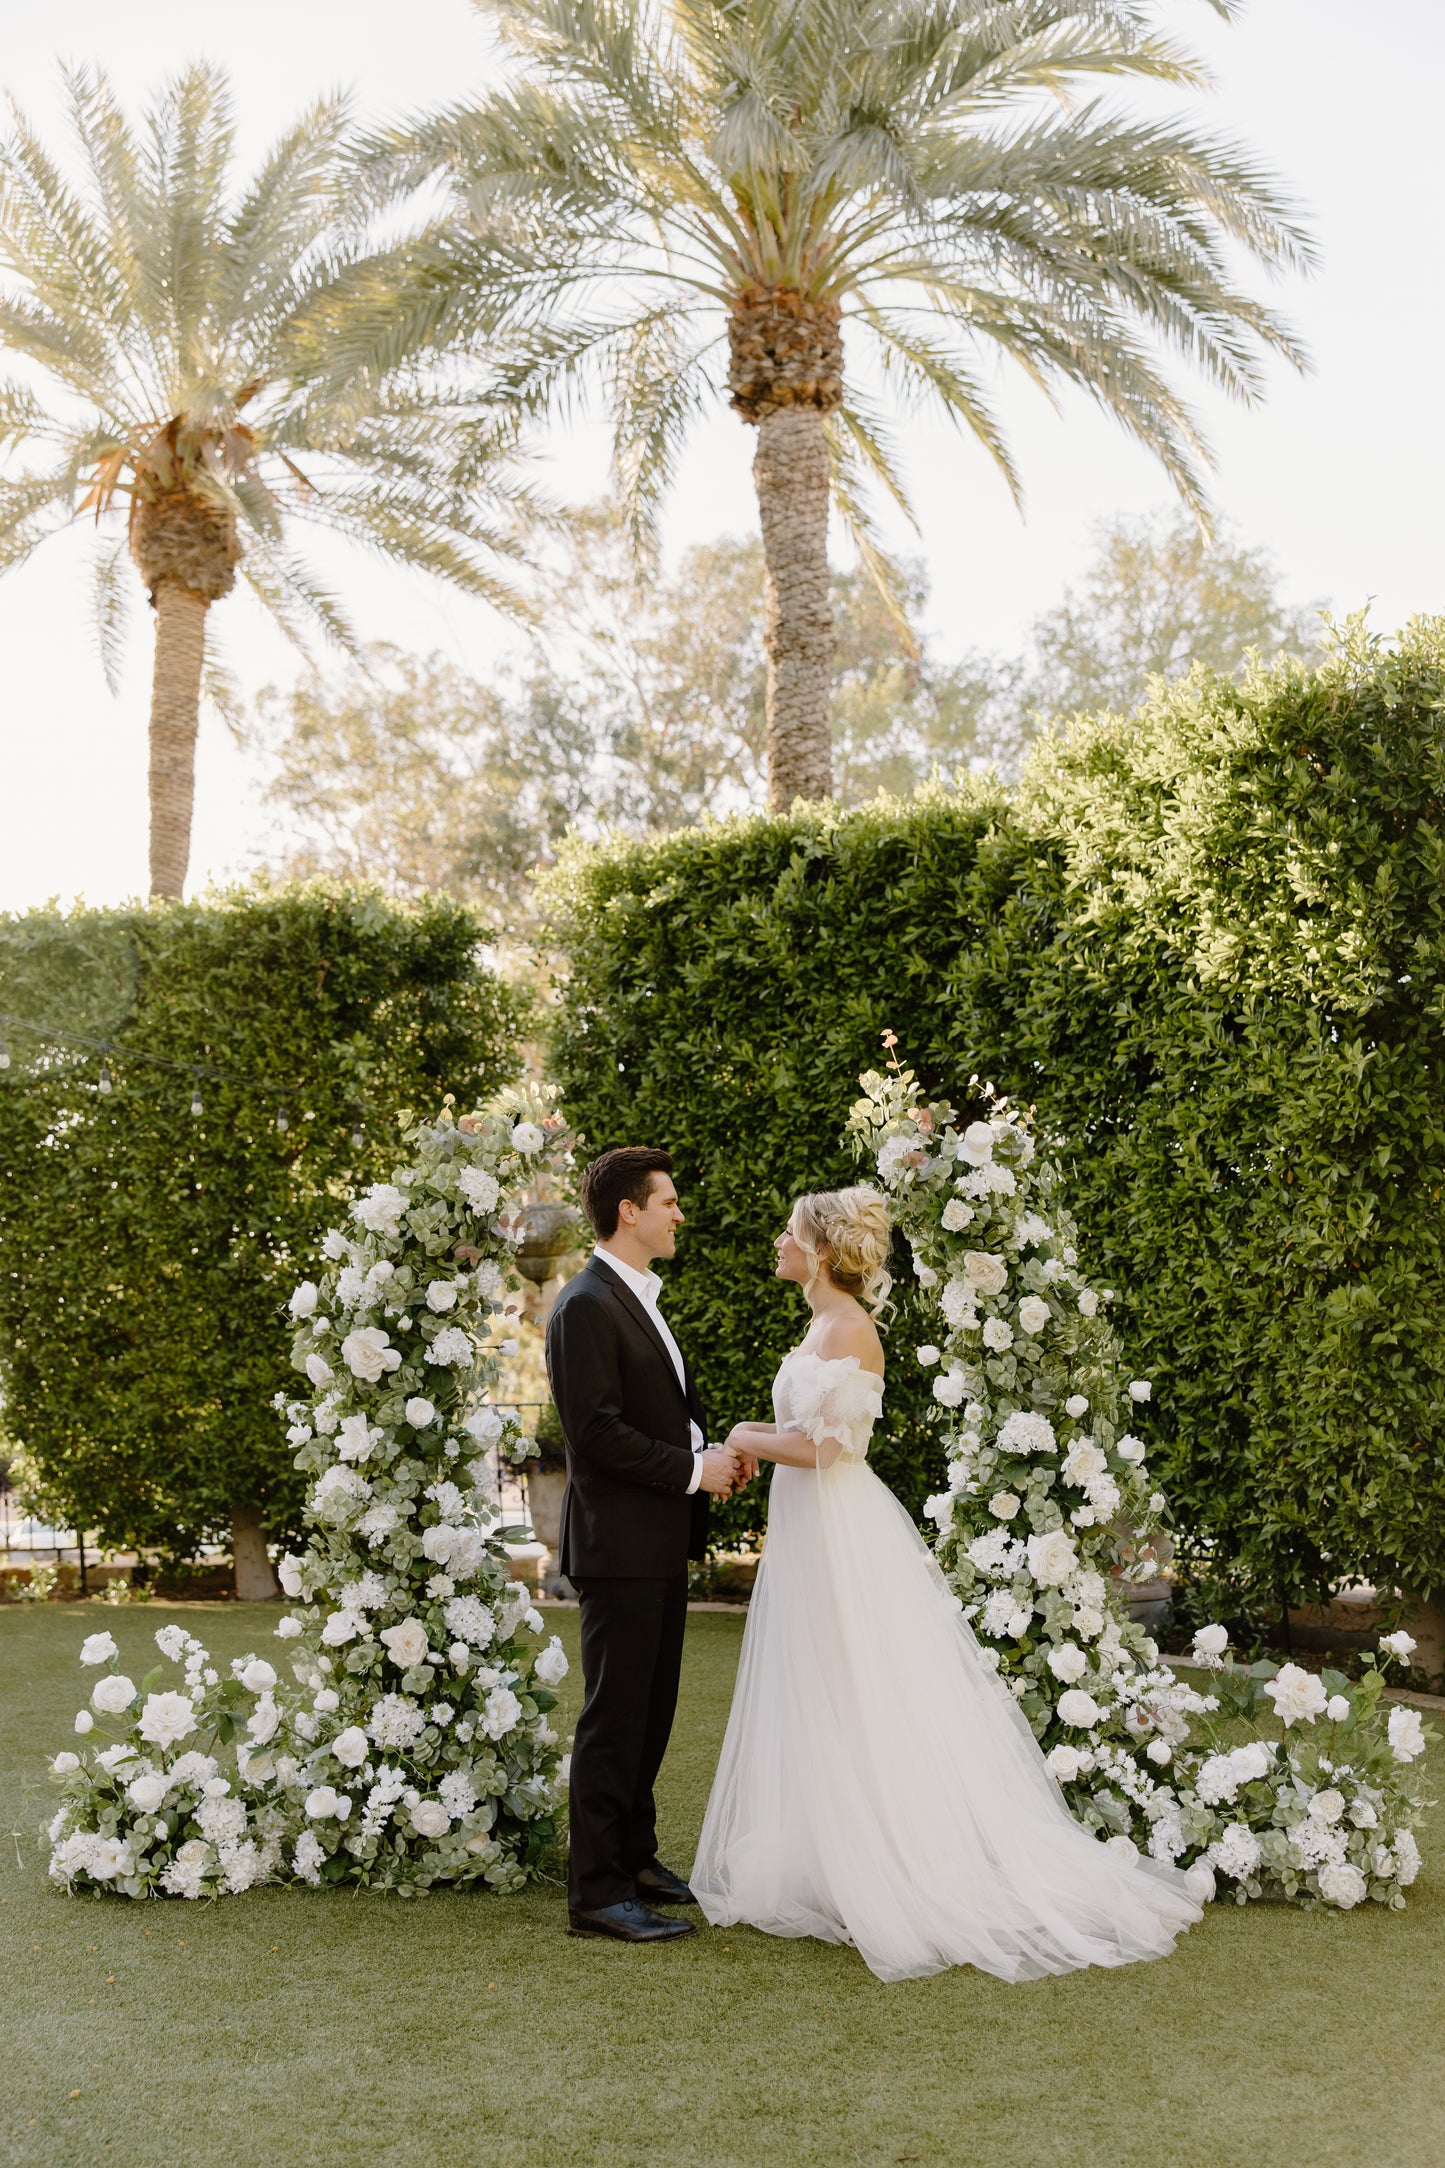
[
  {"x": 658, "y": 175},
  {"x": 172, "y": 324}
]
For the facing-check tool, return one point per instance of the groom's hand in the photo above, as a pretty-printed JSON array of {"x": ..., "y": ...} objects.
[{"x": 719, "y": 1471}]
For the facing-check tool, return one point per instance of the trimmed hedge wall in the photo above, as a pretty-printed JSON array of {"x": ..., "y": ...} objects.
[
  {"x": 146, "y": 1254},
  {"x": 1207, "y": 944}
]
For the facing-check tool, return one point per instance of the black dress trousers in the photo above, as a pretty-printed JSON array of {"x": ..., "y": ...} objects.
[{"x": 632, "y": 1635}]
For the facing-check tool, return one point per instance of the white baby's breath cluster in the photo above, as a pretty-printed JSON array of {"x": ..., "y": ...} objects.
[
  {"x": 401, "y": 1738},
  {"x": 1050, "y": 1514}
]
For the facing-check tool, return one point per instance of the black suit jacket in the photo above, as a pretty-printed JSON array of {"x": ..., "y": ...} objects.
[{"x": 625, "y": 1419}]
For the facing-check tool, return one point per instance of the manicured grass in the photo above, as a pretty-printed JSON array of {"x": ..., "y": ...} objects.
[{"x": 286, "y": 2029}]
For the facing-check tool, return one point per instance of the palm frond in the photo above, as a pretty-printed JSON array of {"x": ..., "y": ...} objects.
[{"x": 110, "y": 605}]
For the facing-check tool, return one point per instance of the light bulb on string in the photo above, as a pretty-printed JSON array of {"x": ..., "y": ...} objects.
[
  {"x": 358, "y": 1137},
  {"x": 4, "y": 1055},
  {"x": 282, "y": 1123},
  {"x": 103, "y": 1082},
  {"x": 196, "y": 1107}
]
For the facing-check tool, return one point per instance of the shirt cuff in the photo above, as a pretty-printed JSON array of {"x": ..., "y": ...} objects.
[{"x": 697, "y": 1452}]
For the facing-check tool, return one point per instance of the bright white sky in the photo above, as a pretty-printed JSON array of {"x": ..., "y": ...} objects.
[{"x": 1341, "y": 475}]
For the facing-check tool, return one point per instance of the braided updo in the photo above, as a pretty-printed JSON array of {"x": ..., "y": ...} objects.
[{"x": 853, "y": 1226}]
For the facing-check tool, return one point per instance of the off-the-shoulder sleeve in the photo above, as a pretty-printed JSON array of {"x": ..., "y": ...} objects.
[{"x": 837, "y": 1405}]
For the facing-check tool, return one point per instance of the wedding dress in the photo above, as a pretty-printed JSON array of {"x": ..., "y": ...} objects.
[{"x": 878, "y": 1784}]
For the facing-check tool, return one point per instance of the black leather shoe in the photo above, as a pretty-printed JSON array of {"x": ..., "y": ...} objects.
[
  {"x": 628, "y": 1922},
  {"x": 658, "y": 1885}
]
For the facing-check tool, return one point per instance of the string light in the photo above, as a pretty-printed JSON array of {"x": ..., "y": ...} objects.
[
  {"x": 281, "y": 1122},
  {"x": 196, "y": 1107},
  {"x": 103, "y": 1083},
  {"x": 358, "y": 1136},
  {"x": 4, "y": 1055}
]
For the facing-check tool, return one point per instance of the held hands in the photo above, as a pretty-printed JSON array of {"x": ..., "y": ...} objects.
[{"x": 720, "y": 1473}]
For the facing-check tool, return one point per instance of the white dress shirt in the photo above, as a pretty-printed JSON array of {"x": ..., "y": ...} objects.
[{"x": 648, "y": 1287}]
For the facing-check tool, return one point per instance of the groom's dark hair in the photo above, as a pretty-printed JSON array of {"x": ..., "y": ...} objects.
[{"x": 624, "y": 1173}]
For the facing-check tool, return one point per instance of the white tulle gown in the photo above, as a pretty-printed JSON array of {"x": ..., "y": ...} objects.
[{"x": 878, "y": 1784}]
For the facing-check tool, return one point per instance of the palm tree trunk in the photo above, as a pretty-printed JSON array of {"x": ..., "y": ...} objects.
[
  {"x": 255, "y": 1581},
  {"x": 175, "y": 713},
  {"x": 790, "y": 474}
]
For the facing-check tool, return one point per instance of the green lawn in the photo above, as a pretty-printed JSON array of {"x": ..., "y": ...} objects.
[{"x": 285, "y": 2028}]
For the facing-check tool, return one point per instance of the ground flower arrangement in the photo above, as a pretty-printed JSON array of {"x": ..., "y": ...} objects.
[
  {"x": 1050, "y": 1514},
  {"x": 400, "y": 1736}
]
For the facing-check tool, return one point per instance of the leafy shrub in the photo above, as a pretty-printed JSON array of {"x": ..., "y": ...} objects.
[
  {"x": 1207, "y": 945},
  {"x": 146, "y": 1253}
]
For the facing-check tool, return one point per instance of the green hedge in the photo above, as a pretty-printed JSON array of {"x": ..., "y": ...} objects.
[
  {"x": 145, "y": 1253},
  {"x": 1207, "y": 943}
]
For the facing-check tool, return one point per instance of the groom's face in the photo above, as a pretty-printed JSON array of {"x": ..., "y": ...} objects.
[{"x": 655, "y": 1223}]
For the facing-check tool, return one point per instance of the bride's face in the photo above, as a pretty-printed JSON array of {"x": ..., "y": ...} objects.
[{"x": 794, "y": 1262}]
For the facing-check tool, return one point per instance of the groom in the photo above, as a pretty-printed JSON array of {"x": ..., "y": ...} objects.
[{"x": 634, "y": 1512}]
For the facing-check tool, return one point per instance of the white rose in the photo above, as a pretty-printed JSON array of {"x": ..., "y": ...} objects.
[
  {"x": 1076, "y": 1405},
  {"x": 113, "y": 1694},
  {"x": 441, "y": 1295},
  {"x": 258, "y": 1676},
  {"x": 527, "y": 1137},
  {"x": 956, "y": 1216},
  {"x": 323, "y": 1803},
  {"x": 288, "y": 1573},
  {"x": 1342, "y": 1885},
  {"x": 406, "y": 1642},
  {"x": 1124, "y": 1846},
  {"x": 997, "y": 1335},
  {"x": 99, "y": 1648},
  {"x": 350, "y": 1747},
  {"x": 304, "y": 1299},
  {"x": 1065, "y": 1763},
  {"x": 460, "y": 1655},
  {"x": 1034, "y": 1313},
  {"x": 1327, "y": 1807},
  {"x": 927, "y": 1355},
  {"x": 84, "y": 1722},
  {"x": 1083, "y": 1463},
  {"x": 289, "y": 1628},
  {"x": 1400, "y": 1644},
  {"x": 976, "y": 1144},
  {"x": 318, "y": 1369},
  {"x": 146, "y": 1793},
  {"x": 481, "y": 1190},
  {"x": 166, "y": 1718},
  {"x": 1160, "y": 1751},
  {"x": 989, "y": 1274},
  {"x": 339, "y": 1628},
  {"x": 551, "y": 1665},
  {"x": 1068, "y": 1662},
  {"x": 430, "y": 1818},
  {"x": 1211, "y": 1641},
  {"x": 1407, "y": 1734},
  {"x": 1004, "y": 1505},
  {"x": 1079, "y": 1709},
  {"x": 1052, "y": 1558},
  {"x": 64, "y": 1763},
  {"x": 369, "y": 1354},
  {"x": 1297, "y": 1695},
  {"x": 1131, "y": 1449},
  {"x": 1088, "y": 1303},
  {"x": 948, "y": 1388},
  {"x": 264, "y": 1721},
  {"x": 1337, "y": 1708},
  {"x": 438, "y": 1543},
  {"x": 485, "y": 1425},
  {"x": 420, "y": 1412},
  {"x": 502, "y": 1712},
  {"x": 1140, "y": 1389},
  {"x": 356, "y": 1437}
]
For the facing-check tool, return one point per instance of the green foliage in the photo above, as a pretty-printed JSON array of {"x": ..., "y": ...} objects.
[
  {"x": 145, "y": 1253},
  {"x": 1208, "y": 944}
]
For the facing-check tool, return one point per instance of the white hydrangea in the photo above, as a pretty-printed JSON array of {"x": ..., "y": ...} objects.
[
  {"x": 998, "y": 1335},
  {"x": 1236, "y": 1852},
  {"x": 1026, "y": 1432},
  {"x": 481, "y": 1190},
  {"x": 452, "y": 1345},
  {"x": 396, "y": 1721},
  {"x": 380, "y": 1210}
]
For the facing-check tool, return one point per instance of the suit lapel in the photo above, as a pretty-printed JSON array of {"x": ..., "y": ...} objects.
[{"x": 637, "y": 1311}]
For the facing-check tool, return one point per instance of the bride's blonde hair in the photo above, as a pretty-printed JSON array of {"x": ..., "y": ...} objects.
[{"x": 854, "y": 1227}]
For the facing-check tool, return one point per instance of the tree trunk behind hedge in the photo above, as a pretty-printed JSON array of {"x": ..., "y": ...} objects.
[
  {"x": 175, "y": 713},
  {"x": 255, "y": 1581},
  {"x": 790, "y": 473}
]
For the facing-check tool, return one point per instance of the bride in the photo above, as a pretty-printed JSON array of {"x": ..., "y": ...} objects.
[{"x": 878, "y": 1785}]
